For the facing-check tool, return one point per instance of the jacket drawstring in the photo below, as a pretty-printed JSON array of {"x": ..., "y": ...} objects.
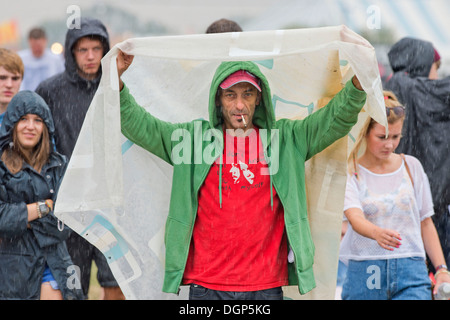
[
  {"x": 271, "y": 183},
  {"x": 220, "y": 182},
  {"x": 271, "y": 192}
]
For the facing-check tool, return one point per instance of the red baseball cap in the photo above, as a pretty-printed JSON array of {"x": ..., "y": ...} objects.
[
  {"x": 437, "y": 56},
  {"x": 240, "y": 76}
]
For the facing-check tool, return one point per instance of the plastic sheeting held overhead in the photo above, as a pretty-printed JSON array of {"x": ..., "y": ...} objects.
[{"x": 116, "y": 195}]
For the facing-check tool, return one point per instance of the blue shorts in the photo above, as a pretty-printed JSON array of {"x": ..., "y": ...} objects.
[
  {"x": 48, "y": 277},
  {"x": 392, "y": 279}
]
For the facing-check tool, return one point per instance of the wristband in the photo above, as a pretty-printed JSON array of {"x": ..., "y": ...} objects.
[
  {"x": 442, "y": 270},
  {"x": 38, "y": 211},
  {"x": 47, "y": 202},
  {"x": 442, "y": 266}
]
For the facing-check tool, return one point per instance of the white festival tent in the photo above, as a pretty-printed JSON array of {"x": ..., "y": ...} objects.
[{"x": 116, "y": 194}]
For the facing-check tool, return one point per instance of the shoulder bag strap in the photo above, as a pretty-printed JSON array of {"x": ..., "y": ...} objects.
[{"x": 407, "y": 168}]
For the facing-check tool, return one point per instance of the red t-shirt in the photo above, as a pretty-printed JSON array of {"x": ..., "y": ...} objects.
[{"x": 241, "y": 246}]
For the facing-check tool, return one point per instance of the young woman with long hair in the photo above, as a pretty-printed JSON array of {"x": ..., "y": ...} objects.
[
  {"x": 34, "y": 261},
  {"x": 388, "y": 205}
]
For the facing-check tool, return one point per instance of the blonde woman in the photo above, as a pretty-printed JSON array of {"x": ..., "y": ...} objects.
[{"x": 389, "y": 206}]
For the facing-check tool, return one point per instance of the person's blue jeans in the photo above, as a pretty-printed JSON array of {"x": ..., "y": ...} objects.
[
  {"x": 197, "y": 292},
  {"x": 391, "y": 279}
]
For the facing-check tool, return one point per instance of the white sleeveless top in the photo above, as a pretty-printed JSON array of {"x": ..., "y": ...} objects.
[{"x": 388, "y": 201}]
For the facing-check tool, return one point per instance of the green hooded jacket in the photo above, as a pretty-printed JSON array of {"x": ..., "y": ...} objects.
[{"x": 295, "y": 141}]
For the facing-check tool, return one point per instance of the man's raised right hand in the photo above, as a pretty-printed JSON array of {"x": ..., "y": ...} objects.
[{"x": 123, "y": 62}]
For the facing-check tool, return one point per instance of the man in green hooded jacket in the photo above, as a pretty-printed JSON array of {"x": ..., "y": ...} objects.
[{"x": 237, "y": 226}]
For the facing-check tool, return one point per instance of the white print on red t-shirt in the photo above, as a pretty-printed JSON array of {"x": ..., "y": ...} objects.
[{"x": 236, "y": 172}]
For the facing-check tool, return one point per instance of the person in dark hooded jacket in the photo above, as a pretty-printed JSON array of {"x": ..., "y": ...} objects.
[
  {"x": 34, "y": 261},
  {"x": 69, "y": 95},
  {"x": 426, "y": 129}
]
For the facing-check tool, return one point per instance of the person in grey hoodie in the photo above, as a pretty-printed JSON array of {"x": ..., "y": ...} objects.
[
  {"x": 34, "y": 261},
  {"x": 426, "y": 129},
  {"x": 69, "y": 95}
]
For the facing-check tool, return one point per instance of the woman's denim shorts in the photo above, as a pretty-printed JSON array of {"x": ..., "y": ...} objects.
[
  {"x": 48, "y": 277},
  {"x": 391, "y": 279}
]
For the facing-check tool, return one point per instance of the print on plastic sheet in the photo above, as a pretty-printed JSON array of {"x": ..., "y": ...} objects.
[{"x": 114, "y": 247}]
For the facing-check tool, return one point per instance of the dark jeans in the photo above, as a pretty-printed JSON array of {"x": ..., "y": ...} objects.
[{"x": 197, "y": 292}]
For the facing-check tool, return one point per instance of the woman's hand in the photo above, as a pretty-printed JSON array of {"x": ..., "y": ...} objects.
[
  {"x": 387, "y": 239},
  {"x": 440, "y": 278}
]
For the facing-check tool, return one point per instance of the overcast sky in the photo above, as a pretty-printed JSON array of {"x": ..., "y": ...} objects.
[{"x": 186, "y": 16}]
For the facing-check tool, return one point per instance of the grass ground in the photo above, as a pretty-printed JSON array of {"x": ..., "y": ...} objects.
[{"x": 95, "y": 291}]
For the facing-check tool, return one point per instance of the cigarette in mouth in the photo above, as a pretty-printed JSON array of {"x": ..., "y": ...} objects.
[{"x": 243, "y": 120}]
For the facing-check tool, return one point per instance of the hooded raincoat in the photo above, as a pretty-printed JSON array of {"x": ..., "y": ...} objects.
[
  {"x": 298, "y": 141},
  {"x": 426, "y": 129},
  {"x": 68, "y": 94},
  {"x": 24, "y": 251}
]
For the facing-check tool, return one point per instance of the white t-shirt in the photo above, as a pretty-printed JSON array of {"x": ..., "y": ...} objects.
[
  {"x": 39, "y": 69},
  {"x": 388, "y": 201}
]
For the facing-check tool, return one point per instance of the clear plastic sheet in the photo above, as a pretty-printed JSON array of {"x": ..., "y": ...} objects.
[{"x": 116, "y": 194}]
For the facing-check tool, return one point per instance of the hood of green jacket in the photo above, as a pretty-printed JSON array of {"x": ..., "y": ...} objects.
[{"x": 264, "y": 116}]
